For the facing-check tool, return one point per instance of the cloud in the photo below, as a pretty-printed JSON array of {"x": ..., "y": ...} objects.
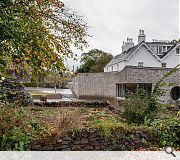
[{"x": 112, "y": 21}]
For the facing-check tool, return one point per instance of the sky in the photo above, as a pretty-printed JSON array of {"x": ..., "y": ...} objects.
[{"x": 111, "y": 22}]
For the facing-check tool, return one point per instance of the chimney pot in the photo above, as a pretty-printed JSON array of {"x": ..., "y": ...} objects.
[
  {"x": 141, "y": 37},
  {"x": 140, "y": 31}
]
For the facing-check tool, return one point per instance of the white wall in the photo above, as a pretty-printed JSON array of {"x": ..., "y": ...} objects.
[
  {"x": 116, "y": 67},
  {"x": 172, "y": 60},
  {"x": 121, "y": 66},
  {"x": 145, "y": 56}
]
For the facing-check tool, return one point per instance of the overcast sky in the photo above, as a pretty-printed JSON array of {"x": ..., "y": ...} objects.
[{"x": 112, "y": 21}]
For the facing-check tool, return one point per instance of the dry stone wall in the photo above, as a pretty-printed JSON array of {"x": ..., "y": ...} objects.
[
  {"x": 15, "y": 91},
  {"x": 90, "y": 104},
  {"x": 94, "y": 140}
]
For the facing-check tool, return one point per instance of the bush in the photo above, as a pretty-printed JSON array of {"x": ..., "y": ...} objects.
[
  {"x": 168, "y": 131},
  {"x": 139, "y": 107},
  {"x": 13, "y": 133},
  {"x": 16, "y": 130}
]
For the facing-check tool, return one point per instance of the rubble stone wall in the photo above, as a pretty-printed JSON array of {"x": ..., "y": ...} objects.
[{"x": 93, "y": 139}]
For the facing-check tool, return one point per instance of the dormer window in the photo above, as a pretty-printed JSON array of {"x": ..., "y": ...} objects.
[
  {"x": 164, "y": 48},
  {"x": 160, "y": 50},
  {"x": 140, "y": 64},
  {"x": 177, "y": 50}
]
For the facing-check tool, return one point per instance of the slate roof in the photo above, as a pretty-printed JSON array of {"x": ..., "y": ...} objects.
[
  {"x": 123, "y": 56},
  {"x": 170, "y": 49}
]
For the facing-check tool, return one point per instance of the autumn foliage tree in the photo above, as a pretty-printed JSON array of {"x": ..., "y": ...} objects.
[{"x": 38, "y": 34}]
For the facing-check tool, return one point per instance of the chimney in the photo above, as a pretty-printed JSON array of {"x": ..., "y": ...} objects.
[
  {"x": 141, "y": 37},
  {"x": 124, "y": 47},
  {"x": 128, "y": 44}
]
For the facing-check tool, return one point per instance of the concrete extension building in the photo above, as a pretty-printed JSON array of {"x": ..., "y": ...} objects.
[
  {"x": 141, "y": 65},
  {"x": 116, "y": 84}
]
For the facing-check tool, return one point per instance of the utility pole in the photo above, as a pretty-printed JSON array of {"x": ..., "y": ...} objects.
[
  {"x": 73, "y": 68},
  {"x": 55, "y": 82}
]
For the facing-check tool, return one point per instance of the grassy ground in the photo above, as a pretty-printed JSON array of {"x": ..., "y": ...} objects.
[
  {"x": 61, "y": 120},
  {"x": 43, "y": 121}
]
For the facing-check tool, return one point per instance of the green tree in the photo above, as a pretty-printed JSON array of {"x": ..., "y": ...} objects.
[
  {"x": 37, "y": 34},
  {"x": 94, "y": 61}
]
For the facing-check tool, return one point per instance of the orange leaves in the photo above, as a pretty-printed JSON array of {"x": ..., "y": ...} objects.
[{"x": 36, "y": 44}]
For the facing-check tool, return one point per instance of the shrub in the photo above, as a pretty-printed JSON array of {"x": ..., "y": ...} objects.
[
  {"x": 16, "y": 130},
  {"x": 168, "y": 131},
  {"x": 139, "y": 107},
  {"x": 12, "y": 130}
]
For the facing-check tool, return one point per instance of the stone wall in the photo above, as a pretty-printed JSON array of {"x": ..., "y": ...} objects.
[
  {"x": 90, "y": 104},
  {"x": 15, "y": 92},
  {"x": 104, "y": 84},
  {"x": 94, "y": 140}
]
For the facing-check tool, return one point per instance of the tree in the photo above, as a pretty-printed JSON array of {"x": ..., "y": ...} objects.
[
  {"x": 37, "y": 34},
  {"x": 94, "y": 61}
]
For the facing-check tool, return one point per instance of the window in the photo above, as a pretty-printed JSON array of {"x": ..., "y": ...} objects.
[
  {"x": 112, "y": 68},
  {"x": 164, "y": 48},
  {"x": 175, "y": 93},
  {"x": 157, "y": 50},
  {"x": 120, "y": 90},
  {"x": 160, "y": 50},
  {"x": 163, "y": 65},
  {"x": 140, "y": 64},
  {"x": 168, "y": 47},
  {"x": 177, "y": 50}
]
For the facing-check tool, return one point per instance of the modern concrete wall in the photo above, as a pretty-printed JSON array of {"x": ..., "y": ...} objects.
[
  {"x": 153, "y": 75},
  {"x": 104, "y": 84},
  {"x": 97, "y": 84}
]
